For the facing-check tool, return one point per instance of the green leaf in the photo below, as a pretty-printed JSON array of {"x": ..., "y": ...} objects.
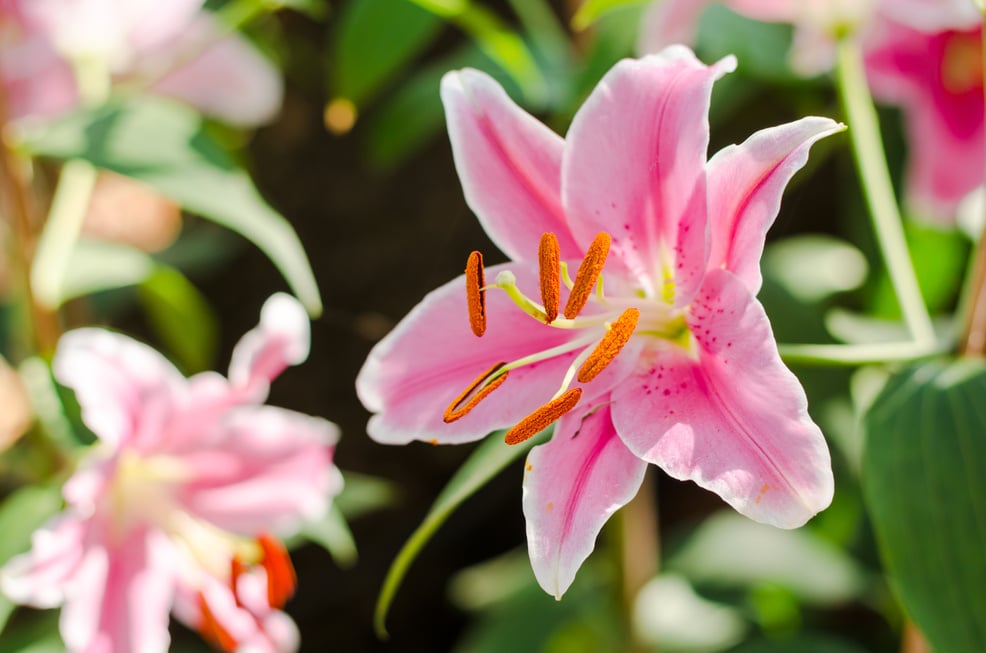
[
  {"x": 497, "y": 40},
  {"x": 485, "y": 462},
  {"x": 373, "y": 41},
  {"x": 97, "y": 265},
  {"x": 165, "y": 145},
  {"x": 593, "y": 10},
  {"x": 181, "y": 317},
  {"x": 362, "y": 494},
  {"x": 332, "y": 533},
  {"x": 924, "y": 481}
]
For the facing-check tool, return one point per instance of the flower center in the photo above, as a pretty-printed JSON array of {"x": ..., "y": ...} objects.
[
  {"x": 962, "y": 64},
  {"x": 602, "y": 332}
]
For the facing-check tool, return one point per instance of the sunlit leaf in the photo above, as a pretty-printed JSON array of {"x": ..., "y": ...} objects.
[
  {"x": 591, "y": 10},
  {"x": 181, "y": 318},
  {"x": 924, "y": 481},
  {"x": 497, "y": 40},
  {"x": 99, "y": 265},
  {"x": 814, "y": 267},
  {"x": 485, "y": 462},
  {"x": 373, "y": 41},
  {"x": 165, "y": 145},
  {"x": 672, "y": 617}
]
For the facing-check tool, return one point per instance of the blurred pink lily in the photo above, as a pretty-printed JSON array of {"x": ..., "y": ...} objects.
[
  {"x": 176, "y": 48},
  {"x": 177, "y": 505},
  {"x": 670, "y": 362},
  {"x": 920, "y": 54}
]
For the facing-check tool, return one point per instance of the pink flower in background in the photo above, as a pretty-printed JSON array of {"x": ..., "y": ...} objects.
[
  {"x": 920, "y": 54},
  {"x": 176, "y": 507},
  {"x": 670, "y": 362},
  {"x": 176, "y": 48}
]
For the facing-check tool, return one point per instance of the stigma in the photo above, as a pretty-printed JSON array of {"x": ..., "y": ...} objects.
[{"x": 598, "y": 335}]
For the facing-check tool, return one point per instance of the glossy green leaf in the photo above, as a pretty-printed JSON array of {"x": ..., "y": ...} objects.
[
  {"x": 373, "y": 41},
  {"x": 165, "y": 145},
  {"x": 181, "y": 318},
  {"x": 924, "y": 481},
  {"x": 592, "y": 10},
  {"x": 485, "y": 462}
]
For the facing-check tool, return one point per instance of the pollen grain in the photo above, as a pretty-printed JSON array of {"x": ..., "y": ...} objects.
[
  {"x": 475, "y": 295},
  {"x": 475, "y": 393},
  {"x": 549, "y": 263},
  {"x": 588, "y": 274},
  {"x": 543, "y": 417},
  {"x": 610, "y": 346}
]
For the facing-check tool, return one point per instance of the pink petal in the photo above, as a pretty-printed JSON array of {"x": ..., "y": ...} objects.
[
  {"x": 229, "y": 78},
  {"x": 732, "y": 418},
  {"x": 281, "y": 339},
  {"x": 509, "y": 165},
  {"x": 945, "y": 127},
  {"x": 262, "y": 469},
  {"x": 35, "y": 80},
  {"x": 126, "y": 390},
  {"x": 121, "y": 597},
  {"x": 933, "y": 15},
  {"x": 634, "y": 166},
  {"x": 40, "y": 576},
  {"x": 413, "y": 374},
  {"x": 669, "y": 21},
  {"x": 571, "y": 487},
  {"x": 745, "y": 187}
]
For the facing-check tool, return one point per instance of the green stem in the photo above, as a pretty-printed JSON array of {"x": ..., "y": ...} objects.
[
  {"x": 853, "y": 355},
  {"x": 867, "y": 146}
]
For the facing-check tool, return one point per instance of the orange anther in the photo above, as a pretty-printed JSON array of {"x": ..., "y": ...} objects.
[
  {"x": 237, "y": 569},
  {"x": 212, "y": 630},
  {"x": 549, "y": 262},
  {"x": 543, "y": 417},
  {"x": 588, "y": 274},
  {"x": 609, "y": 347},
  {"x": 281, "y": 577},
  {"x": 475, "y": 295},
  {"x": 474, "y": 394}
]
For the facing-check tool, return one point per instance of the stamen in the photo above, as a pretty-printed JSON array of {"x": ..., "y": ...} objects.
[
  {"x": 543, "y": 417},
  {"x": 237, "y": 569},
  {"x": 589, "y": 271},
  {"x": 609, "y": 347},
  {"x": 549, "y": 256},
  {"x": 475, "y": 393},
  {"x": 281, "y": 577},
  {"x": 212, "y": 630},
  {"x": 475, "y": 293}
]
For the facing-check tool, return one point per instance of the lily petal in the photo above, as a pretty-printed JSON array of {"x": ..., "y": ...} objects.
[
  {"x": 280, "y": 340},
  {"x": 229, "y": 79},
  {"x": 572, "y": 485},
  {"x": 634, "y": 167},
  {"x": 745, "y": 186},
  {"x": 126, "y": 389},
  {"x": 509, "y": 165},
  {"x": 263, "y": 468},
  {"x": 735, "y": 419},
  {"x": 121, "y": 596},
  {"x": 40, "y": 576}
]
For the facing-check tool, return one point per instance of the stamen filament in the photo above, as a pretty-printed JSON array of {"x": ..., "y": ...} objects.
[
  {"x": 507, "y": 282},
  {"x": 610, "y": 346},
  {"x": 570, "y": 372},
  {"x": 588, "y": 274},
  {"x": 281, "y": 577},
  {"x": 566, "y": 278},
  {"x": 543, "y": 417},
  {"x": 549, "y": 256},
  {"x": 551, "y": 352},
  {"x": 475, "y": 293},
  {"x": 478, "y": 390}
]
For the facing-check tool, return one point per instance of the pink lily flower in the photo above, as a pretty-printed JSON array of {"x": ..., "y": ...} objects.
[
  {"x": 937, "y": 80},
  {"x": 176, "y": 48},
  {"x": 920, "y": 54},
  {"x": 177, "y": 505},
  {"x": 670, "y": 362}
]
